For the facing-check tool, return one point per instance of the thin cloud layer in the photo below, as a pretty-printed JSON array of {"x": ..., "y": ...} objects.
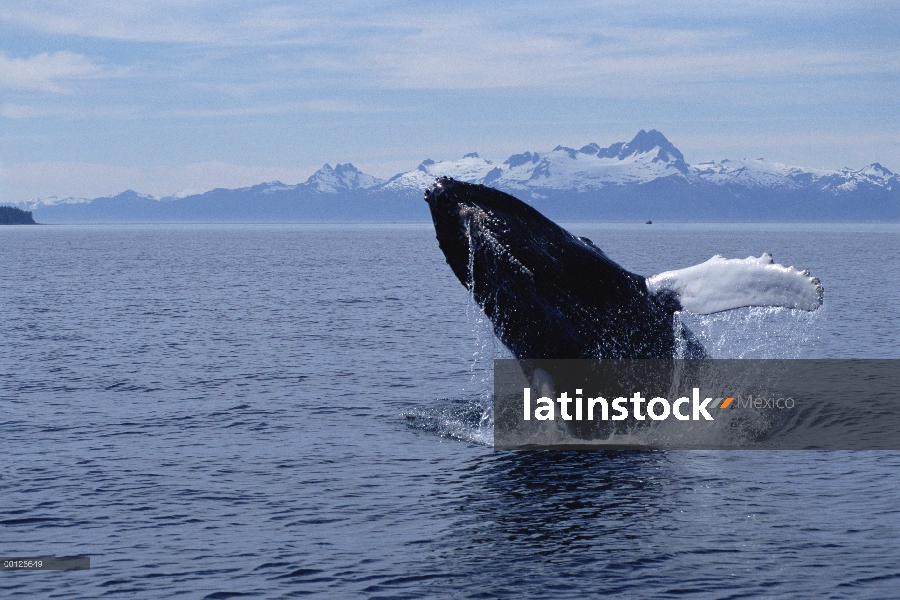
[
  {"x": 400, "y": 45},
  {"x": 46, "y": 72}
]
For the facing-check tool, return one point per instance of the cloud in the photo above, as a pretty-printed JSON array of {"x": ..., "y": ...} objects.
[
  {"x": 467, "y": 52},
  {"x": 46, "y": 72},
  {"x": 168, "y": 21},
  {"x": 11, "y": 110},
  {"x": 269, "y": 22},
  {"x": 617, "y": 48},
  {"x": 312, "y": 106}
]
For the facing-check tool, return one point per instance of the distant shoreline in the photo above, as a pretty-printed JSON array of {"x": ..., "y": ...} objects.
[{"x": 10, "y": 215}]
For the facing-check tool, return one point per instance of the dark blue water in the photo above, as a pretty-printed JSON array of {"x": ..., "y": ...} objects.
[{"x": 283, "y": 411}]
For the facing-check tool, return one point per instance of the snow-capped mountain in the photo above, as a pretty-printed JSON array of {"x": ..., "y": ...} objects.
[
  {"x": 49, "y": 201},
  {"x": 647, "y": 157},
  {"x": 341, "y": 178},
  {"x": 646, "y": 176},
  {"x": 470, "y": 167},
  {"x": 760, "y": 173}
]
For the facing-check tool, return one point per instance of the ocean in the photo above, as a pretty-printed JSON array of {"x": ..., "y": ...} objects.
[{"x": 277, "y": 411}]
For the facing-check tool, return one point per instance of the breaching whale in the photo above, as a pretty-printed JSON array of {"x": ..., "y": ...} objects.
[{"x": 551, "y": 295}]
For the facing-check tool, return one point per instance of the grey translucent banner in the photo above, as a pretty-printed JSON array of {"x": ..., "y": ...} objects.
[
  {"x": 697, "y": 404},
  {"x": 45, "y": 563}
]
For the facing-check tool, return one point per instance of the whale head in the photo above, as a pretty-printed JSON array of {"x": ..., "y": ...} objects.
[
  {"x": 548, "y": 293},
  {"x": 479, "y": 227}
]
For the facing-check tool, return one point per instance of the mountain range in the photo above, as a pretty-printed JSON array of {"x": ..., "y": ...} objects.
[{"x": 646, "y": 177}]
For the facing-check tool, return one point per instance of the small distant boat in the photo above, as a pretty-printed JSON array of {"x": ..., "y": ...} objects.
[{"x": 649, "y": 222}]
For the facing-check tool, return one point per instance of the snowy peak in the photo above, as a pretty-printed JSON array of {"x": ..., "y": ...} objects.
[
  {"x": 760, "y": 173},
  {"x": 341, "y": 178},
  {"x": 517, "y": 160},
  {"x": 647, "y": 157},
  {"x": 757, "y": 173},
  {"x": 645, "y": 142},
  {"x": 877, "y": 170},
  {"x": 648, "y": 142},
  {"x": 49, "y": 201},
  {"x": 126, "y": 197},
  {"x": 471, "y": 168},
  {"x": 877, "y": 175},
  {"x": 132, "y": 196}
]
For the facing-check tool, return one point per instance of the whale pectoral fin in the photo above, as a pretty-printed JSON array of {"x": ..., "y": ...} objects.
[{"x": 724, "y": 284}]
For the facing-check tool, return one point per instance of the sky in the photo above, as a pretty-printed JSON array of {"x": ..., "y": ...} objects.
[{"x": 169, "y": 97}]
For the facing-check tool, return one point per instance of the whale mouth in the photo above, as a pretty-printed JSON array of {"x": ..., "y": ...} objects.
[
  {"x": 439, "y": 192},
  {"x": 456, "y": 218},
  {"x": 451, "y": 196},
  {"x": 443, "y": 199},
  {"x": 473, "y": 219}
]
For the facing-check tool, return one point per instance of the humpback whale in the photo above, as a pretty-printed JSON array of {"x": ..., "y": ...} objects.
[{"x": 553, "y": 295}]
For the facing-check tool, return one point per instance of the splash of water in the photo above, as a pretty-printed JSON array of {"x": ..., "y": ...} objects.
[
  {"x": 470, "y": 417},
  {"x": 762, "y": 332},
  {"x": 487, "y": 347}
]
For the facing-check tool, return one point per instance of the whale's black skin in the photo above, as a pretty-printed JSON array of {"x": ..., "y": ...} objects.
[{"x": 548, "y": 293}]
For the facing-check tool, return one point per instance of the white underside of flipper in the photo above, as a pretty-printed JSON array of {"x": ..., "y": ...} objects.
[{"x": 724, "y": 284}]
